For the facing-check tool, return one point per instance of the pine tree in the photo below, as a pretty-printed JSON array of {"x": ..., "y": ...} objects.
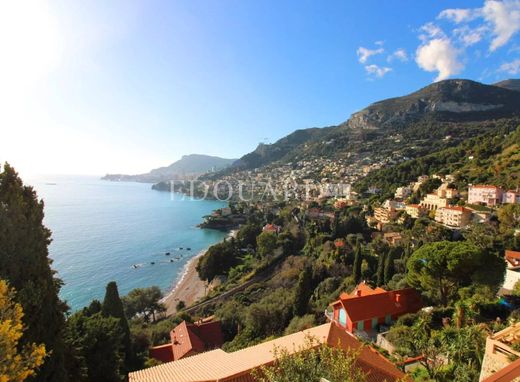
[
  {"x": 113, "y": 307},
  {"x": 381, "y": 269},
  {"x": 389, "y": 267},
  {"x": 303, "y": 291},
  {"x": 25, "y": 264},
  {"x": 358, "y": 259}
]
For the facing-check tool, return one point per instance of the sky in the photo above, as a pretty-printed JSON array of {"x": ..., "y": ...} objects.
[{"x": 95, "y": 87}]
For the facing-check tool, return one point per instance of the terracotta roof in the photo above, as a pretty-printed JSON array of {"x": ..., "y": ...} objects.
[
  {"x": 507, "y": 374},
  {"x": 513, "y": 257},
  {"x": 381, "y": 304},
  {"x": 457, "y": 208},
  {"x": 363, "y": 288},
  {"x": 219, "y": 366},
  {"x": 195, "y": 338}
]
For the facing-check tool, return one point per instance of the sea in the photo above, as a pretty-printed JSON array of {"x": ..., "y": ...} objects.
[{"x": 119, "y": 231}]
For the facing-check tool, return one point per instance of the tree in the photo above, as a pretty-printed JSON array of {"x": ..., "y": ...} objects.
[
  {"x": 17, "y": 363},
  {"x": 312, "y": 363},
  {"x": 509, "y": 217},
  {"x": 358, "y": 258},
  {"x": 303, "y": 291},
  {"x": 380, "y": 275},
  {"x": 113, "y": 307},
  {"x": 24, "y": 262},
  {"x": 98, "y": 342},
  {"x": 145, "y": 302},
  {"x": 441, "y": 268},
  {"x": 217, "y": 260},
  {"x": 266, "y": 243},
  {"x": 247, "y": 234},
  {"x": 389, "y": 267}
]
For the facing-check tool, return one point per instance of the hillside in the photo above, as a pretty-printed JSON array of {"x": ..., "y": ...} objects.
[
  {"x": 410, "y": 126},
  {"x": 188, "y": 166},
  {"x": 509, "y": 84}
]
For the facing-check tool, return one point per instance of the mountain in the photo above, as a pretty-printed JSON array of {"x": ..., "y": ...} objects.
[
  {"x": 413, "y": 125},
  {"x": 509, "y": 84},
  {"x": 188, "y": 166}
]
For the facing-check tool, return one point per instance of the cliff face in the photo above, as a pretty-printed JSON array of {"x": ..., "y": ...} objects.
[{"x": 443, "y": 101}]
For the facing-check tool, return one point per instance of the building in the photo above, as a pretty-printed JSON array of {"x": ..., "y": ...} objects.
[
  {"x": 509, "y": 373},
  {"x": 273, "y": 228},
  {"x": 511, "y": 197},
  {"x": 485, "y": 194},
  {"x": 445, "y": 191},
  {"x": 402, "y": 192},
  {"x": 500, "y": 354},
  {"x": 433, "y": 202},
  {"x": 456, "y": 217},
  {"x": 512, "y": 276},
  {"x": 220, "y": 366},
  {"x": 188, "y": 340},
  {"x": 385, "y": 215},
  {"x": 393, "y": 238},
  {"x": 415, "y": 210},
  {"x": 365, "y": 308}
]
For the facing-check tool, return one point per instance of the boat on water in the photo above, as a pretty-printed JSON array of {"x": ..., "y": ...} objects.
[
  {"x": 167, "y": 253},
  {"x": 188, "y": 249},
  {"x": 152, "y": 263}
]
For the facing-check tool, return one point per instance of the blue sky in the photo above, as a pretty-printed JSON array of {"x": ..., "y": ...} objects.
[{"x": 95, "y": 87}]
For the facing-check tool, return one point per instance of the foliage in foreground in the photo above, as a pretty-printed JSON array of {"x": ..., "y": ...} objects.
[
  {"x": 310, "y": 363},
  {"x": 16, "y": 364}
]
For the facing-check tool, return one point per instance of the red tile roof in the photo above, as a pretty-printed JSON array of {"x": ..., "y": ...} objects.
[
  {"x": 188, "y": 339},
  {"x": 381, "y": 304},
  {"x": 219, "y": 366},
  {"x": 362, "y": 289},
  {"x": 513, "y": 257}
]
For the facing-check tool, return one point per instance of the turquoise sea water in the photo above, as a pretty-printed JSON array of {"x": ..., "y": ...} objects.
[{"x": 101, "y": 229}]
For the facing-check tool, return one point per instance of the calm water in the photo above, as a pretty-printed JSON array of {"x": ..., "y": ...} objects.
[{"x": 101, "y": 229}]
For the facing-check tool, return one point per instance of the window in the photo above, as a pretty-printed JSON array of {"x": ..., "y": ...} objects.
[{"x": 343, "y": 317}]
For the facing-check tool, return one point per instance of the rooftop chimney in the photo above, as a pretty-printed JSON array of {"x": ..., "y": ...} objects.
[
  {"x": 358, "y": 293},
  {"x": 397, "y": 298}
]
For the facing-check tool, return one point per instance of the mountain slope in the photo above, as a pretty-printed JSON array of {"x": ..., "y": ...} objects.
[
  {"x": 188, "y": 166},
  {"x": 509, "y": 84},
  {"x": 412, "y": 125}
]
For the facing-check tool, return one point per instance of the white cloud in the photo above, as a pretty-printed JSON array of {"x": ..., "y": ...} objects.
[
  {"x": 431, "y": 31},
  {"x": 470, "y": 36},
  {"x": 364, "y": 53},
  {"x": 512, "y": 67},
  {"x": 399, "y": 54},
  {"x": 377, "y": 71},
  {"x": 504, "y": 17},
  {"x": 459, "y": 15},
  {"x": 439, "y": 55}
]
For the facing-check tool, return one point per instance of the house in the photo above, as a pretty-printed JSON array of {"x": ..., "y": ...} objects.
[
  {"x": 220, "y": 366},
  {"x": 273, "y": 228},
  {"x": 385, "y": 215},
  {"x": 500, "y": 353},
  {"x": 446, "y": 191},
  {"x": 365, "y": 308},
  {"x": 415, "y": 210},
  {"x": 507, "y": 374},
  {"x": 189, "y": 339},
  {"x": 432, "y": 202},
  {"x": 455, "y": 217},
  {"x": 402, "y": 192},
  {"x": 485, "y": 194},
  {"x": 226, "y": 211},
  {"x": 393, "y": 238},
  {"x": 511, "y": 197},
  {"x": 512, "y": 276}
]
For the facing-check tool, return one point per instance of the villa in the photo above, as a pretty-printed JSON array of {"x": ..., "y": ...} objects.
[{"x": 365, "y": 308}]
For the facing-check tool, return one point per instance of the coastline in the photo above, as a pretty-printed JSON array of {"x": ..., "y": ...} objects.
[{"x": 189, "y": 288}]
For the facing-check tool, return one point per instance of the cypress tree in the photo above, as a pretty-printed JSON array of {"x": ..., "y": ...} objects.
[
  {"x": 24, "y": 262},
  {"x": 358, "y": 259},
  {"x": 113, "y": 307},
  {"x": 303, "y": 291},
  {"x": 389, "y": 267},
  {"x": 381, "y": 269}
]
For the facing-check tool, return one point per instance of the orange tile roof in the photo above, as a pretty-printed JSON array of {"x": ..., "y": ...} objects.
[
  {"x": 362, "y": 288},
  {"x": 513, "y": 257},
  {"x": 366, "y": 307},
  {"x": 219, "y": 366},
  {"x": 195, "y": 338}
]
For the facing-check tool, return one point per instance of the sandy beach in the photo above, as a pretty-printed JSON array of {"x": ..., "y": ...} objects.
[{"x": 190, "y": 287}]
